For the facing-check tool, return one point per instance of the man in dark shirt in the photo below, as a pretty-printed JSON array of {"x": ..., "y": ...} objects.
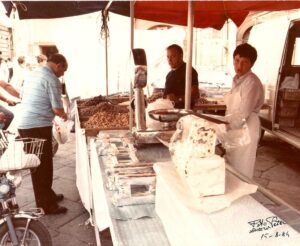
[{"x": 175, "y": 80}]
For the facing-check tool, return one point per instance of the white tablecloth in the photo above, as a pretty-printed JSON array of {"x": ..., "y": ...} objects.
[{"x": 245, "y": 222}]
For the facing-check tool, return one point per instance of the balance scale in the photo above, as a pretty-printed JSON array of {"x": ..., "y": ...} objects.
[{"x": 141, "y": 134}]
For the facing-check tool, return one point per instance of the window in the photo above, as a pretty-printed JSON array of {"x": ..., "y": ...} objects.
[{"x": 296, "y": 53}]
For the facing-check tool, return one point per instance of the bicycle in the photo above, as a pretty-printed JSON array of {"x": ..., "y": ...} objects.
[{"x": 19, "y": 228}]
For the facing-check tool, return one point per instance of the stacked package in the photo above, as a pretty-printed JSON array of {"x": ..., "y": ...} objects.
[
  {"x": 193, "y": 152},
  {"x": 130, "y": 180}
]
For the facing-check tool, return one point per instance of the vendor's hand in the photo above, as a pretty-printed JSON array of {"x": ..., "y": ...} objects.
[
  {"x": 235, "y": 121},
  {"x": 173, "y": 98},
  {"x": 64, "y": 116},
  {"x": 60, "y": 113},
  {"x": 11, "y": 103}
]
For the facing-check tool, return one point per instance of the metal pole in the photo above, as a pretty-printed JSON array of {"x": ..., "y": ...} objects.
[
  {"x": 106, "y": 47},
  {"x": 131, "y": 47},
  {"x": 131, "y": 25},
  {"x": 188, "y": 75},
  {"x": 106, "y": 62}
]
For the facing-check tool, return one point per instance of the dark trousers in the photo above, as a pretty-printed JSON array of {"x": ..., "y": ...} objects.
[{"x": 42, "y": 176}]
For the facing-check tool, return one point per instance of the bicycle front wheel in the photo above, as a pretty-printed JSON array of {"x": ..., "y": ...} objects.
[{"x": 37, "y": 234}]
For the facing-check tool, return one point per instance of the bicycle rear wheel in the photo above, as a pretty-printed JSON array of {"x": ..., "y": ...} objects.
[{"x": 37, "y": 234}]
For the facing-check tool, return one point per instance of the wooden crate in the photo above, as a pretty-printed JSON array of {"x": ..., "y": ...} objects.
[
  {"x": 290, "y": 94},
  {"x": 287, "y": 122},
  {"x": 290, "y": 112},
  {"x": 289, "y": 104}
]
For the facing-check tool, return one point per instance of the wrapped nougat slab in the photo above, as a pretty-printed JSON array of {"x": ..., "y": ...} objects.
[
  {"x": 201, "y": 138},
  {"x": 204, "y": 176},
  {"x": 194, "y": 137},
  {"x": 193, "y": 152}
]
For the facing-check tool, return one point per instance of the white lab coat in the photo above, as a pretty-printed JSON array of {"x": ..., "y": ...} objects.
[
  {"x": 4, "y": 73},
  {"x": 244, "y": 102}
]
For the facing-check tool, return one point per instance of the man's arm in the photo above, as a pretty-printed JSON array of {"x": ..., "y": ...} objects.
[
  {"x": 195, "y": 92},
  {"x": 9, "y": 102},
  {"x": 60, "y": 112},
  {"x": 11, "y": 90}
]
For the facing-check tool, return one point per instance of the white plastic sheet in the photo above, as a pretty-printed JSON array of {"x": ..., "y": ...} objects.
[
  {"x": 157, "y": 104},
  {"x": 61, "y": 129}
]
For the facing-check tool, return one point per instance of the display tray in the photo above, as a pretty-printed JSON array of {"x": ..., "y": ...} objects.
[
  {"x": 103, "y": 120},
  {"x": 173, "y": 115},
  {"x": 82, "y": 106},
  {"x": 83, "y": 118},
  {"x": 118, "y": 100},
  {"x": 91, "y": 101},
  {"x": 209, "y": 106},
  {"x": 93, "y": 132}
]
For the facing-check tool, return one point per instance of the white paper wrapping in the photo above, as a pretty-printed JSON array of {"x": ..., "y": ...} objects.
[
  {"x": 245, "y": 223},
  {"x": 234, "y": 189},
  {"x": 204, "y": 176}
]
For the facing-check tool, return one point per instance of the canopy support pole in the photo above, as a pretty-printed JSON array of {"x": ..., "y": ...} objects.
[
  {"x": 106, "y": 47},
  {"x": 106, "y": 65},
  {"x": 188, "y": 74},
  {"x": 131, "y": 47}
]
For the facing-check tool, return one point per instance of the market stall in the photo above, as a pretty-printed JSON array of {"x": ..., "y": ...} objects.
[
  {"x": 135, "y": 217},
  {"x": 100, "y": 192}
]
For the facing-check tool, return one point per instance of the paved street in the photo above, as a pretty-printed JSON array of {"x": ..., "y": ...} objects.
[{"x": 278, "y": 169}]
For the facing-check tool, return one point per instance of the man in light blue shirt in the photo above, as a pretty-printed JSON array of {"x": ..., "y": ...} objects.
[{"x": 41, "y": 101}]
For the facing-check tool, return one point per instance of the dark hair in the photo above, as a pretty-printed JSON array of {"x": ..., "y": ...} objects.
[
  {"x": 247, "y": 51},
  {"x": 177, "y": 48},
  {"x": 40, "y": 58},
  {"x": 21, "y": 59},
  {"x": 57, "y": 59}
]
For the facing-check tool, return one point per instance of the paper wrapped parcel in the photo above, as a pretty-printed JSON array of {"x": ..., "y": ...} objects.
[
  {"x": 235, "y": 189},
  {"x": 245, "y": 222}
]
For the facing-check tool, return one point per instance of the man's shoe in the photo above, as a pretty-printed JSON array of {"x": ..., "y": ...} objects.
[
  {"x": 55, "y": 210},
  {"x": 59, "y": 197}
]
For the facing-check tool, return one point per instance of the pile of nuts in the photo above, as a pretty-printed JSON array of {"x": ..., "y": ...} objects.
[
  {"x": 102, "y": 106},
  {"x": 91, "y": 101},
  {"x": 107, "y": 119},
  {"x": 102, "y": 113}
]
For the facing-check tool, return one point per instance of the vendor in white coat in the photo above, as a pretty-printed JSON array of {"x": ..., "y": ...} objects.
[{"x": 243, "y": 103}]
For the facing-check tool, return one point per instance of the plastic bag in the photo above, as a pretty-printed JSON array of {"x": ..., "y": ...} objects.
[
  {"x": 290, "y": 82},
  {"x": 158, "y": 104},
  {"x": 233, "y": 138},
  {"x": 61, "y": 129}
]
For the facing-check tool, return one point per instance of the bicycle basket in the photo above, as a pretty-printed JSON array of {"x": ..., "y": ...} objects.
[{"x": 22, "y": 153}]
